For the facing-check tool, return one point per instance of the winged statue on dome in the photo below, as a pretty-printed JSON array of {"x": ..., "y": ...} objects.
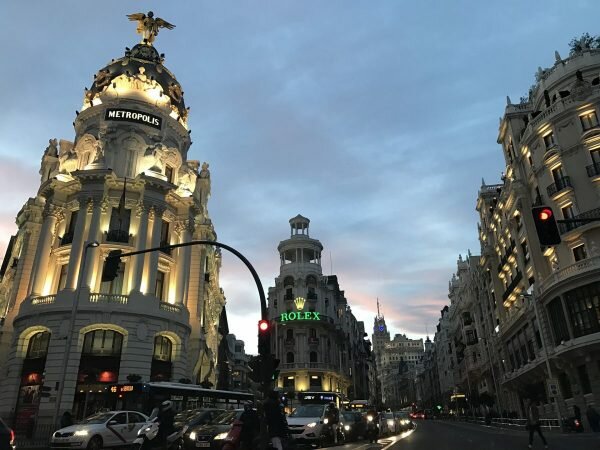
[{"x": 148, "y": 26}]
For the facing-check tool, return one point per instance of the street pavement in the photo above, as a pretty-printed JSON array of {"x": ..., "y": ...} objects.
[{"x": 447, "y": 435}]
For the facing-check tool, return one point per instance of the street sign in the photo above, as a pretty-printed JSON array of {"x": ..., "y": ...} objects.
[{"x": 553, "y": 390}]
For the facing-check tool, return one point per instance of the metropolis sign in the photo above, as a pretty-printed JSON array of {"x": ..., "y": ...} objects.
[
  {"x": 307, "y": 315},
  {"x": 129, "y": 115}
]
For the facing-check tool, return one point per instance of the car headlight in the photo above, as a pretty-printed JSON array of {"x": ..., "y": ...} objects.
[
  {"x": 192, "y": 436},
  {"x": 221, "y": 436},
  {"x": 369, "y": 418},
  {"x": 390, "y": 423},
  {"x": 325, "y": 420},
  {"x": 81, "y": 433},
  {"x": 347, "y": 427},
  {"x": 311, "y": 425}
]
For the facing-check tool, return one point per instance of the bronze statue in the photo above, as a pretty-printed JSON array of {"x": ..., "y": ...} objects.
[{"x": 148, "y": 26}]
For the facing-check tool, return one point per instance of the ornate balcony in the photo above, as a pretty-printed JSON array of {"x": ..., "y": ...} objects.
[
  {"x": 118, "y": 236},
  {"x": 559, "y": 185},
  {"x": 580, "y": 267},
  {"x": 566, "y": 227}
]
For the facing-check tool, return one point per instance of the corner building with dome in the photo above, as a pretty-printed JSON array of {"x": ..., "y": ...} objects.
[
  {"x": 124, "y": 183},
  {"x": 320, "y": 344}
]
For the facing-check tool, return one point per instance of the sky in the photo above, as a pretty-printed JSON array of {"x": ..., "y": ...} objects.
[{"x": 377, "y": 120}]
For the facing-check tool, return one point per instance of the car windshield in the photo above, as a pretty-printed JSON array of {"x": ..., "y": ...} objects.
[
  {"x": 308, "y": 411},
  {"x": 97, "y": 418},
  {"x": 184, "y": 415},
  {"x": 226, "y": 418},
  {"x": 389, "y": 415},
  {"x": 349, "y": 417}
]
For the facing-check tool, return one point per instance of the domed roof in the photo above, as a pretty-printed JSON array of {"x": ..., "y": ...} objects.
[{"x": 144, "y": 63}]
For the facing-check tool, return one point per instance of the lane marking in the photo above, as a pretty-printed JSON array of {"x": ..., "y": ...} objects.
[{"x": 400, "y": 437}]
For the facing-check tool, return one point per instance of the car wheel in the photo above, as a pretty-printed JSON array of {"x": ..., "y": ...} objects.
[{"x": 95, "y": 443}]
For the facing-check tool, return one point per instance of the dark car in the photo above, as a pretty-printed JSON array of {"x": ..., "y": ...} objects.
[
  {"x": 404, "y": 420},
  {"x": 211, "y": 435},
  {"x": 355, "y": 425},
  {"x": 193, "y": 417},
  {"x": 7, "y": 437}
]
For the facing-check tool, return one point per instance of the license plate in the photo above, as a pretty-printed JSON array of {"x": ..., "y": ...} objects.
[{"x": 202, "y": 444}]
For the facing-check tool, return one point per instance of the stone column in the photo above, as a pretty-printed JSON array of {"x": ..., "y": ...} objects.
[
  {"x": 183, "y": 262},
  {"x": 50, "y": 215},
  {"x": 93, "y": 235},
  {"x": 140, "y": 243},
  {"x": 77, "y": 244},
  {"x": 155, "y": 242}
]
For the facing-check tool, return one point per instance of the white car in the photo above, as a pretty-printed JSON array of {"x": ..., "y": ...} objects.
[
  {"x": 107, "y": 429},
  {"x": 307, "y": 424}
]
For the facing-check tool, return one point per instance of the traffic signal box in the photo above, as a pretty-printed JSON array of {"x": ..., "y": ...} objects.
[
  {"x": 546, "y": 226},
  {"x": 111, "y": 265},
  {"x": 264, "y": 366}
]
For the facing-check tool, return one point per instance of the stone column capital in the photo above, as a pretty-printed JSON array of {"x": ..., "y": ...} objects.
[
  {"x": 157, "y": 210},
  {"x": 51, "y": 210}
]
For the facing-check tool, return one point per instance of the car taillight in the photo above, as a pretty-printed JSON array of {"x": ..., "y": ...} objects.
[
  {"x": 577, "y": 424},
  {"x": 12, "y": 437}
]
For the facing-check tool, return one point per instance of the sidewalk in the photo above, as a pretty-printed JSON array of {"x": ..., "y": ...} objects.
[{"x": 518, "y": 426}]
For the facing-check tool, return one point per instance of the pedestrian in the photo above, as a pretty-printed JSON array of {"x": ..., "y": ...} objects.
[
  {"x": 593, "y": 418},
  {"x": 66, "y": 420},
  {"x": 333, "y": 419},
  {"x": 250, "y": 426},
  {"x": 533, "y": 423},
  {"x": 276, "y": 422},
  {"x": 166, "y": 426}
]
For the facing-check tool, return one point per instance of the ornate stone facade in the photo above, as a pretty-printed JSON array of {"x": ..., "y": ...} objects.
[{"x": 124, "y": 183}]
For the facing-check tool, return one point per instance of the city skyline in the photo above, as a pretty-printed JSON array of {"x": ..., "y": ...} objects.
[{"x": 289, "y": 128}]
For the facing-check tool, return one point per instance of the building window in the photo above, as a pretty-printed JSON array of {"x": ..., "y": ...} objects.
[
  {"x": 169, "y": 173},
  {"x": 119, "y": 225},
  {"x": 130, "y": 163},
  {"x": 289, "y": 358},
  {"x": 557, "y": 174},
  {"x": 549, "y": 140},
  {"x": 584, "y": 380},
  {"x": 312, "y": 333},
  {"x": 67, "y": 237},
  {"x": 584, "y": 309},
  {"x": 38, "y": 345},
  {"x": 162, "y": 348},
  {"x": 579, "y": 252},
  {"x": 102, "y": 343},
  {"x": 164, "y": 233},
  {"x": 62, "y": 277},
  {"x": 289, "y": 334},
  {"x": 589, "y": 120},
  {"x": 565, "y": 385},
  {"x": 558, "y": 322},
  {"x": 313, "y": 358},
  {"x": 160, "y": 285},
  {"x": 525, "y": 250}
]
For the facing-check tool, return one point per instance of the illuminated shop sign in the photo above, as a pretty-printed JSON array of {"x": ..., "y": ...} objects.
[
  {"x": 121, "y": 389},
  {"x": 307, "y": 315},
  {"x": 129, "y": 115}
]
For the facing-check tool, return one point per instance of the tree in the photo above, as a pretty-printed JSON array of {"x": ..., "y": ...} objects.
[{"x": 585, "y": 41}]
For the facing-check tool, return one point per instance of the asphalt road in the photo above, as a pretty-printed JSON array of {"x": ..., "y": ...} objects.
[{"x": 444, "y": 435}]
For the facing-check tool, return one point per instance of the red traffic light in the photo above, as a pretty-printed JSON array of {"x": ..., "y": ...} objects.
[
  {"x": 263, "y": 325},
  {"x": 545, "y": 214}
]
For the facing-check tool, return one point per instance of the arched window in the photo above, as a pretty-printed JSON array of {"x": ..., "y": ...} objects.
[
  {"x": 289, "y": 334},
  {"x": 38, "y": 345},
  {"x": 288, "y": 282},
  {"x": 102, "y": 343},
  {"x": 313, "y": 357},
  {"x": 289, "y": 358},
  {"x": 162, "y": 348}
]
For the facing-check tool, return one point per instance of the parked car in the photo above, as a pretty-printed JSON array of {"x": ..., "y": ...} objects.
[
  {"x": 213, "y": 434},
  {"x": 7, "y": 437},
  {"x": 107, "y": 429},
  {"x": 355, "y": 425}
]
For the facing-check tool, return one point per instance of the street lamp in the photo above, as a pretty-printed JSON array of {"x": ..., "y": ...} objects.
[{"x": 80, "y": 276}]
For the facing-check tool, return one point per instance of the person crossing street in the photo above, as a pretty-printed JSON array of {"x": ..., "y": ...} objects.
[{"x": 533, "y": 423}]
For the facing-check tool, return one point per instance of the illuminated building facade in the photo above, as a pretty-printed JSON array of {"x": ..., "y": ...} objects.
[
  {"x": 320, "y": 344},
  {"x": 125, "y": 182},
  {"x": 397, "y": 362}
]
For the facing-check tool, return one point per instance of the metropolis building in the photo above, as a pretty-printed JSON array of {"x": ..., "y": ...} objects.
[
  {"x": 124, "y": 183},
  {"x": 320, "y": 344}
]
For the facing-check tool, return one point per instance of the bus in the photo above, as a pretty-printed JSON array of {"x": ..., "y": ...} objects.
[
  {"x": 321, "y": 398},
  {"x": 144, "y": 397}
]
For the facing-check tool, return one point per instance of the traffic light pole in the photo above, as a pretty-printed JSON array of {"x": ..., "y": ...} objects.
[{"x": 261, "y": 292}]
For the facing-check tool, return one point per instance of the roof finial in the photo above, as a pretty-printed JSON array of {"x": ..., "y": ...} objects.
[
  {"x": 148, "y": 26},
  {"x": 508, "y": 102}
]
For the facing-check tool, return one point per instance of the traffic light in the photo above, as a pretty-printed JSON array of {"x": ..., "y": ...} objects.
[
  {"x": 45, "y": 391},
  {"x": 256, "y": 365},
  {"x": 546, "y": 226},
  {"x": 111, "y": 265},
  {"x": 264, "y": 337},
  {"x": 270, "y": 365}
]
